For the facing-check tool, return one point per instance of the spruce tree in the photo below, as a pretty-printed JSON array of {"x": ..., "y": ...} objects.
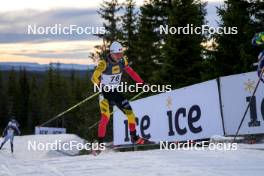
[
  {"x": 35, "y": 104},
  {"x": 108, "y": 13},
  {"x": 3, "y": 103},
  {"x": 129, "y": 28},
  {"x": 23, "y": 98},
  {"x": 257, "y": 11},
  {"x": 12, "y": 88},
  {"x": 148, "y": 42},
  {"x": 234, "y": 53},
  {"x": 182, "y": 53}
]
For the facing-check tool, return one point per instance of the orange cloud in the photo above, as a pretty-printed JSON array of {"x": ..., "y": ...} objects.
[
  {"x": 31, "y": 52},
  {"x": 17, "y": 58}
]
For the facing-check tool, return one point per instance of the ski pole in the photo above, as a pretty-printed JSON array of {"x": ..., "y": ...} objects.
[
  {"x": 133, "y": 98},
  {"x": 262, "y": 71},
  {"x": 71, "y": 108},
  {"x": 139, "y": 94}
]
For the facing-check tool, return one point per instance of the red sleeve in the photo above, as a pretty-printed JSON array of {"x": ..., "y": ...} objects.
[{"x": 133, "y": 75}]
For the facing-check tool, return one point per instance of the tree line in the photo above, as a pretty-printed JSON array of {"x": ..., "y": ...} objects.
[{"x": 35, "y": 97}]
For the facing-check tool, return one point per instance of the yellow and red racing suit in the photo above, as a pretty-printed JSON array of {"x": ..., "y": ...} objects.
[{"x": 109, "y": 72}]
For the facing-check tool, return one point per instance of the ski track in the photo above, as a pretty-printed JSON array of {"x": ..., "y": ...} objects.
[{"x": 247, "y": 160}]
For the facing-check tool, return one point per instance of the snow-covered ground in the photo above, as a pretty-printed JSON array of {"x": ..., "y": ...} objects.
[{"x": 247, "y": 160}]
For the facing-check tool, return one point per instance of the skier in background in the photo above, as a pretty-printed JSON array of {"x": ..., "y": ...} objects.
[
  {"x": 109, "y": 72},
  {"x": 258, "y": 40},
  {"x": 9, "y": 133}
]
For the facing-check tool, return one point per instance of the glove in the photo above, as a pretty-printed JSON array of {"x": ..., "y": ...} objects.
[
  {"x": 261, "y": 35},
  {"x": 258, "y": 39}
]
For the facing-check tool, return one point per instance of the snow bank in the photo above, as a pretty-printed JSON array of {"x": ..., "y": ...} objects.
[
  {"x": 246, "y": 160},
  {"x": 24, "y": 146}
]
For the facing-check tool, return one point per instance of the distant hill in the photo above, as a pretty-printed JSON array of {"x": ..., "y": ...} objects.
[{"x": 43, "y": 67}]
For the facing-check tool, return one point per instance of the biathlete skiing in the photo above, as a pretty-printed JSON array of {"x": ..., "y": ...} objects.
[
  {"x": 109, "y": 72},
  {"x": 9, "y": 133}
]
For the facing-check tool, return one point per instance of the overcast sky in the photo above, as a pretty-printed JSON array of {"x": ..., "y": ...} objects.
[{"x": 17, "y": 45}]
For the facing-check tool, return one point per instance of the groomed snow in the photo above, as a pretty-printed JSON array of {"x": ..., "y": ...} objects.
[{"x": 247, "y": 160}]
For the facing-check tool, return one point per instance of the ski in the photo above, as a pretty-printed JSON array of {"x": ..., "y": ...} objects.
[{"x": 111, "y": 147}]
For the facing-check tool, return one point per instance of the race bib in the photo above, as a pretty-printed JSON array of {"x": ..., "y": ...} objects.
[
  {"x": 10, "y": 131},
  {"x": 111, "y": 79}
]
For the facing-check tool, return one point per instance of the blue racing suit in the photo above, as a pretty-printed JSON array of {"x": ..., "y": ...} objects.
[{"x": 9, "y": 133}]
